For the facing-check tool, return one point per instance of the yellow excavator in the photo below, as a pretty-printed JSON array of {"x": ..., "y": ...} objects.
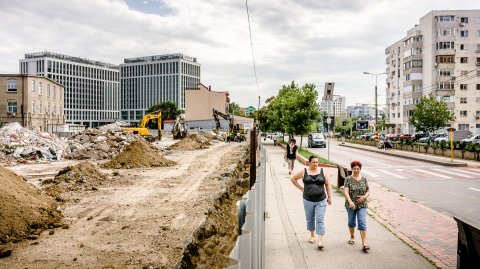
[
  {"x": 143, "y": 131},
  {"x": 235, "y": 132}
]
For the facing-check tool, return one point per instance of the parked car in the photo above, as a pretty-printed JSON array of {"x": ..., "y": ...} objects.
[
  {"x": 405, "y": 136},
  {"x": 316, "y": 140},
  {"x": 391, "y": 136},
  {"x": 474, "y": 139},
  {"x": 416, "y": 136},
  {"x": 431, "y": 138}
]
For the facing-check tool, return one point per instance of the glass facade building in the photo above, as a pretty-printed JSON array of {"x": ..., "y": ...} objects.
[
  {"x": 92, "y": 88},
  {"x": 150, "y": 80}
]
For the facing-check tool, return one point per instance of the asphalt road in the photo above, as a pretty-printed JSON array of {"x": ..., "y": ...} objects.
[{"x": 453, "y": 191}]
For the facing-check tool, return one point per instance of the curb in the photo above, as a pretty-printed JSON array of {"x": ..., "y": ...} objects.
[{"x": 420, "y": 158}]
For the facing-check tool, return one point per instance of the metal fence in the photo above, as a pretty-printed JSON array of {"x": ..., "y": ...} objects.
[{"x": 249, "y": 250}]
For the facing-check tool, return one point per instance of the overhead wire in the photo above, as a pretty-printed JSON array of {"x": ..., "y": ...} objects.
[{"x": 253, "y": 54}]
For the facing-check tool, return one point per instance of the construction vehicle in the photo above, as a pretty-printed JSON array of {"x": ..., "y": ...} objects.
[
  {"x": 234, "y": 132},
  {"x": 179, "y": 130},
  {"x": 143, "y": 130}
]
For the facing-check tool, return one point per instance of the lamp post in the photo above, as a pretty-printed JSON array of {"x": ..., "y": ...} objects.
[{"x": 376, "y": 102}]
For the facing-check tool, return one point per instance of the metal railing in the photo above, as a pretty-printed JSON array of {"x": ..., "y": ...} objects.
[{"x": 249, "y": 250}]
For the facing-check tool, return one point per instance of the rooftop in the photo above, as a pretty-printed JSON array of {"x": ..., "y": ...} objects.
[
  {"x": 160, "y": 58},
  {"x": 69, "y": 58}
]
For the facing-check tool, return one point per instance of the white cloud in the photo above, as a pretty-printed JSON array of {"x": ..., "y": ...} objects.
[{"x": 303, "y": 40}]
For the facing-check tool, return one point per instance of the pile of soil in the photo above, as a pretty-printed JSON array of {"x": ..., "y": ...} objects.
[
  {"x": 192, "y": 142},
  {"x": 83, "y": 176},
  {"x": 137, "y": 155},
  {"x": 24, "y": 211}
]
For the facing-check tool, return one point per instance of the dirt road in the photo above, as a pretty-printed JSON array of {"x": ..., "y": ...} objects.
[{"x": 143, "y": 218}]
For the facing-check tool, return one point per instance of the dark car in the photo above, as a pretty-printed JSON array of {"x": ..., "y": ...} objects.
[
  {"x": 316, "y": 140},
  {"x": 417, "y": 136}
]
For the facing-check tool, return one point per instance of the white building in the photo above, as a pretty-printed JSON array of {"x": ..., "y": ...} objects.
[
  {"x": 334, "y": 107},
  {"x": 439, "y": 56},
  {"x": 92, "y": 95},
  {"x": 362, "y": 110},
  {"x": 150, "y": 80}
]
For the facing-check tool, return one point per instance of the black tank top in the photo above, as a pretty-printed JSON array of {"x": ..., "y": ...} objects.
[{"x": 313, "y": 187}]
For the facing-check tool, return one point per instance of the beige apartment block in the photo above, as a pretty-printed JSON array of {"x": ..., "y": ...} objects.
[
  {"x": 439, "y": 56},
  {"x": 33, "y": 101},
  {"x": 199, "y": 103}
]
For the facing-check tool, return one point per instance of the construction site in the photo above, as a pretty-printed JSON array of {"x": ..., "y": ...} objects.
[{"x": 108, "y": 198}]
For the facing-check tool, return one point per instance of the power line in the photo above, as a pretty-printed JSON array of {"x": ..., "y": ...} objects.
[{"x": 251, "y": 45}]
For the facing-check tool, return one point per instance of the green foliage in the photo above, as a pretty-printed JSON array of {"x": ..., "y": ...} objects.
[
  {"x": 430, "y": 114},
  {"x": 169, "y": 110},
  {"x": 444, "y": 144},
  {"x": 235, "y": 109}
]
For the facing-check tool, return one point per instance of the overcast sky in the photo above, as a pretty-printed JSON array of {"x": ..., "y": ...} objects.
[{"x": 309, "y": 41}]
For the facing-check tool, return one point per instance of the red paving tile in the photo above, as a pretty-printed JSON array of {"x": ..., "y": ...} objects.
[{"x": 434, "y": 235}]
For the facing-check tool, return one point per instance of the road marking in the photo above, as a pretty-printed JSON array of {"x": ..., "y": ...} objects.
[
  {"x": 370, "y": 173},
  {"x": 452, "y": 173},
  {"x": 473, "y": 169},
  {"x": 463, "y": 171},
  {"x": 431, "y": 173},
  {"x": 474, "y": 189},
  {"x": 391, "y": 173}
]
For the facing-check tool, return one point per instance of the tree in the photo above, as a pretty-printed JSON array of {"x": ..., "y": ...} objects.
[
  {"x": 235, "y": 109},
  {"x": 169, "y": 110},
  {"x": 430, "y": 114}
]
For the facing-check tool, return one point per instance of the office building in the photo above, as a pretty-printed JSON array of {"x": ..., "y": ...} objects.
[
  {"x": 439, "y": 56},
  {"x": 150, "y": 80},
  {"x": 92, "y": 92},
  {"x": 365, "y": 111},
  {"x": 35, "y": 102},
  {"x": 334, "y": 107}
]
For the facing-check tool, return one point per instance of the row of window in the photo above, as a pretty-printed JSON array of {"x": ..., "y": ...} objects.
[
  {"x": 39, "y": 89},
  {"x": 155, "y": 69},
  {"x": 451, "y": 18},
  {"x": 49, "y": 109},
  {"x": 76, "y": 115}
]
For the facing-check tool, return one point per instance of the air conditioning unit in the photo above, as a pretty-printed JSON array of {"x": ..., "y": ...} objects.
[
  {"x": 478, "y": 63},
  {"x": 11, "y": 114},
  {"x": 462, "y": 24},
  {"x": 435, "y": 64}
]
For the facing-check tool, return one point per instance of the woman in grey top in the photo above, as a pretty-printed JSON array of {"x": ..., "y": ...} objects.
[{"x": 315, "y": 200}]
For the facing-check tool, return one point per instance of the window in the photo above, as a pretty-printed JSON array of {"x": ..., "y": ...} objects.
[
  {"x": 462, "y": 126},
  {"x": 464, "y": 19},
  {"x": 48, "y": 90},
  {"x": 463, "y": 60},
  {"x": 54, "y": 91},
  {"x": 463, "y": 100},
  {"x": 463, "y": 73},
  {"x": 39, "y": 89},
  {"x": 445, "y": 85},
  {"x": 463, "y": 113},
  {"x": 445, "y": 59},
  {"x": 464, "y": 33},
  {"x": 33, "y": 85},
  {"x": 478, "y": 87},
  {"x": 445, "y": 45},
  {"x": 33, "y": 107},
  {"x": 445, "y": 73},
  {"x": 478, "y": 61},
  {"x": 463, "y": 87},
  {"x": 478, "y": 47},
  {"x": 462, "y": 46},
  {"x": 11, "y": 85},
  {"x": 478, "y": 33},
  {"x": 48, "y": 108},
  {"x": 446, "y": 18},
  {"x": 54, "y": 110},
  {"x": 477, "y": 113},
  {"x": 12, "y": 106},
  {"x": 446, "y": 32},
  {"x": 40, "y": 107}
]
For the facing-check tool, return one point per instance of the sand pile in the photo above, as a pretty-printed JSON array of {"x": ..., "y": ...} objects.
[
  {"x": 191, "y": 142},
  {"x": 83, "y": 176},
  {"x": 24, "y": 211},
  {"x": 136, "y": 155}
]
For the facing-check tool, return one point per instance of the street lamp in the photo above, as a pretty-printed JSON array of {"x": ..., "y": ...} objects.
[{"x": 376, "y": 102}]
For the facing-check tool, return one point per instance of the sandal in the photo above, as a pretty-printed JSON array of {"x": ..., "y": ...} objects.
[
  {"x": 320, "y": 247},
  {"x": 311, "y": 240},
  {"x": 366, "y": 248},
  {"x": 351, "y": 242}
]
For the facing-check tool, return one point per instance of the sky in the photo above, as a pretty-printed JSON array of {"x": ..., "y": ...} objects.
[{"x": 306, "y": 41}]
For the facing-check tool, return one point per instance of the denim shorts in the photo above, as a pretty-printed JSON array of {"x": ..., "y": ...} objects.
[
  {"x": 315, "y": 214},
  {"x": 361, "y": 215}
]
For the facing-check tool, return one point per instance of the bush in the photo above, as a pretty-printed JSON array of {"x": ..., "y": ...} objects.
[{"x": 443, "y": 145}]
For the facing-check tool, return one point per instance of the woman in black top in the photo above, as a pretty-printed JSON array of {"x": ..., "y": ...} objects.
[
  {"x": 291, "y": 155},
  {"x": 315, "y": 200}
]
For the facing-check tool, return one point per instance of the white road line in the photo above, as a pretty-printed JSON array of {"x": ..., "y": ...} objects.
[
  {"x": 476, "y": 170},
  {"x": 474, "y": 189},
  {"x": 432, "y": 173},
  {"x": 370, "y": 173},
  {"x": 463, "y": 171},
  {"x": 391, "y": 173},
  {"x": 452, "y": 173}
]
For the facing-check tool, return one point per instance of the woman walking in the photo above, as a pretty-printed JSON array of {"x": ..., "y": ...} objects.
[
  {"x": 315, "y": 182},
  {"x": 356, "y": 194},
  {"x": 291, "y": 154}
]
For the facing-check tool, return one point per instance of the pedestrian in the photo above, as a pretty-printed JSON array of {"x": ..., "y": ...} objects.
[
  {"x": 315, "y": 198},
  {"x": 356, "y": 194},
  {"x": 291, "y": 154}
]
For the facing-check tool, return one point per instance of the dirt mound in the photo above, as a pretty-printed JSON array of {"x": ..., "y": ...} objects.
[
  {"x": 191, "y": 142},
  {"x": 136, "y": 155},
  {"x": 83, "y": 176},
  {"x": 24, "y": 211}
]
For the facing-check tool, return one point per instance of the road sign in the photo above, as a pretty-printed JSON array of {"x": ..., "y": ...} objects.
[
  {"x": 329, "y": 120},
  {"x": 250, "y": 109},
  {"x": 362, "y": 124}
]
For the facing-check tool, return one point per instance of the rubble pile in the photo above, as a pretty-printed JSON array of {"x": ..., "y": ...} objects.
[
  {"x": 192, "y": 142},
  {"x": 83, "y": 176},
  {"x": 24, "y": 211},
  {"x": 136, "y": 155},
  {"x": 100, "y": 144},
  {"x": 18, "y": 144}
]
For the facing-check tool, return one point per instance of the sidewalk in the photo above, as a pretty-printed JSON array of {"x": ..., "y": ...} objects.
[
  {"x": 441, "y": 160},
  {"x": 286, "y": 233}
]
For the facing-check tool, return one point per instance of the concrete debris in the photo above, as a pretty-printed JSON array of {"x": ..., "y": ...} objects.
[
  {"x": 18, "y": 144},
  {"x": 100, "y": 144}
]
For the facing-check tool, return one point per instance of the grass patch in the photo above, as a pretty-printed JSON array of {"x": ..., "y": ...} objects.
[{"x": 306, "y": 154}]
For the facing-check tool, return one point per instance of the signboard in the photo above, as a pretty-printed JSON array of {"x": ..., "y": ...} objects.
[
  {"x": 362, "y": 124},
  {"x": 247, "y": 125},
  {"x": 250, "y": 109},
  {"x": 329, "y": 122},
  {"x": 328, "y": 93}
]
